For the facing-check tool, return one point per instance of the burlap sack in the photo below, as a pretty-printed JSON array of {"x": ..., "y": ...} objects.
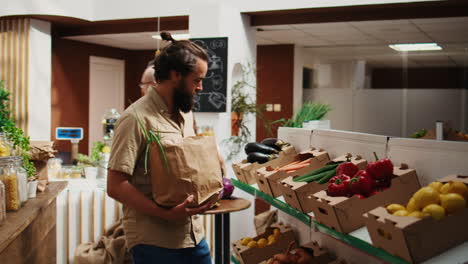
[
  {"x": 110, "y": 249},
  {"x": 194, "y": 168}
]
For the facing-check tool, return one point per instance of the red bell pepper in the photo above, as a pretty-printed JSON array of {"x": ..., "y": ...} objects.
[
  {"x": 380, "y": 169},
  {"x": 360, "y": 196},
  {"x": 338, "y": 185},
  {"x": 361, "y": 183},
  {"x": 347, "y": 168}
]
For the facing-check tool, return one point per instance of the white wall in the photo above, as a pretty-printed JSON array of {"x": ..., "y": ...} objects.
[
  {"x": 123, "y": 9},
  {"x": 80, "y": 9},
  {"x": 384, "y": 111},
  {"x": 40, "y": 54}
]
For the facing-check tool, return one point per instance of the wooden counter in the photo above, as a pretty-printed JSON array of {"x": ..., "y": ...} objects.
[{"x": 29, "y": 235}]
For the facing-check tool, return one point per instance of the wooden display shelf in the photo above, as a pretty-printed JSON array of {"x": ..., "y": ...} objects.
[{"x": 29, "y": 234}]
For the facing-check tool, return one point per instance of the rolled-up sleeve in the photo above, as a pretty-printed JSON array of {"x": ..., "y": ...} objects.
[{"x": 126, "y": 145}]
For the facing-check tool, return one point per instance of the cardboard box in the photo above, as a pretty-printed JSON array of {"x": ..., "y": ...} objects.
[
  {"x": 321, "y": 255},
  {"x": 247, "y": 255},
  {"x": 295, "y": 193},
  {"x": 246, "y": 171},
  {"x": 345, "y": 214},
  {"x": 269, "y": 180},
  {"x": 416, "y": 240}
]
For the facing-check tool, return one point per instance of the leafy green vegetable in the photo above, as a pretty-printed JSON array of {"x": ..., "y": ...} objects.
[
  {"x": 150, "y": 137},
  {"x": 308, "y": 112},
  {"x": 421, "y": 133}
]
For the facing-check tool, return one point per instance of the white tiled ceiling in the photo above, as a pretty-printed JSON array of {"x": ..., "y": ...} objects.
[
  {"x": 369, "y": 40},
  {"x": 366, "y": 40}
]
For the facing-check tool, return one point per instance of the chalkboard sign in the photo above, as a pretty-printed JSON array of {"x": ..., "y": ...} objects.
[{"x": 213, "y": 96}]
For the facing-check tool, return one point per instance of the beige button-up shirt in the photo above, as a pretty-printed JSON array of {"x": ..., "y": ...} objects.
[{"x": 127, "y": 156}]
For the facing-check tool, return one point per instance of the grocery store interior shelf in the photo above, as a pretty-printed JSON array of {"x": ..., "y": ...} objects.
[{"x": 359, "y": 238}]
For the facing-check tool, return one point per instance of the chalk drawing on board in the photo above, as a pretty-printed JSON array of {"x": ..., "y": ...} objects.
[
  {"x": 215, "y": 63},
  {"x": 218, "y": 43},
  {"x": 217, "y": 82},
  {"x": 217, "y": 99}
]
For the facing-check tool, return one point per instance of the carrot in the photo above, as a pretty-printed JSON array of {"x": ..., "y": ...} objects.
[
  {"x": 289, "y": 164},
  {"x": 295, "y": 167},
  {"x": 306, "y": 161}
]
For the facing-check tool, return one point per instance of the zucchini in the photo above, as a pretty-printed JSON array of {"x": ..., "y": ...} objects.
[
  {"x": 317, "y": 177},
  {"x": 318, "y": 171},
  {"x": 327, "y": 177}
]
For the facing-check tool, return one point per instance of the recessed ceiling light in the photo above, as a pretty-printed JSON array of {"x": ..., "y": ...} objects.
[
  {"x": 175, "y": 36},
  {"x": 415, "y": 47}
]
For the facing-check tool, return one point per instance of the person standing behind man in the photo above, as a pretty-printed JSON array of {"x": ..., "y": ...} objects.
[
  {"x": 147, "y": 78},
  {"x": 155, "y": 234}
]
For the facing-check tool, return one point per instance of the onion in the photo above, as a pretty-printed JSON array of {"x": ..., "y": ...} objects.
[{"x": 228, "y": 188}]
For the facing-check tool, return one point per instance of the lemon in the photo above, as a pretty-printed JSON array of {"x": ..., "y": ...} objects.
[
  {"x": 455, "y": 187},
  {"x": 271, "y": 241},
  {"x": 246, "y": 241},
  {"x": 276, "y": 233},
  {"x": 401, "y": 213},
  {"x": 452, "y": 202},
  {"x": 271, "y": 237},
  {"x": 252, "y": 244},
  {"x": 411, "y": 206},
  {"x": 436, "y": 211},
  {"x": 262, "y": 242},
  {"x": 425, "y": 196},
  {"x": 392, "y": 208},
  {"x": 418, "y": 214},
  {"x": 106, "y": 149},
  {"x": 436, "y": 185}
]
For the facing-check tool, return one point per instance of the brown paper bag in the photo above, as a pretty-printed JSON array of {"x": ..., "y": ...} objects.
[{"x": 194, "y": 168}]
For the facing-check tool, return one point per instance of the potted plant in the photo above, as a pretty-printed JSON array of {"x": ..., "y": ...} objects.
[
  {"x": 95, "y": 166},
  {"x": 20, "y": 144},
  {"x": 310, "y": 115}
]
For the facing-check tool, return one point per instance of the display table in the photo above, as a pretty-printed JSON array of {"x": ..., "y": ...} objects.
[
  {"x": 29, "y": 235},
  {"x": 222, "y": 226}
]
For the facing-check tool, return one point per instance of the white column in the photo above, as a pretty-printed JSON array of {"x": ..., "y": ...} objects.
[
  {"x": 224, "y": 21},
  {"x": 210, "y": 18},
  {"x": 40, "y": 72}
]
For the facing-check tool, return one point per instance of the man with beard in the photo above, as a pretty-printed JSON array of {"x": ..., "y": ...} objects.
[{"x": 155, "y": 234}]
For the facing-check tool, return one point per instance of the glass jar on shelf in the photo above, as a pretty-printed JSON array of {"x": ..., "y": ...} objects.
[
  {"x": 76, "y": 172},
  {"x": 2, "y": 202},
  {"x": 10, "y": 180},
  {"x": 54, "y": 168},
  {"x": 22, "y": 178},
  {"x": 66, "y": 172},
  {"x": 108, "y": 121},
  {"x": 5, "y": 145}
]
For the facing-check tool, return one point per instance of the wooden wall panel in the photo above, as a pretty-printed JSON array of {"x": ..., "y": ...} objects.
[
  {"x": 275, "y": 83},
  {"x": 14, "y": 53},
  {"x": 70, "y": 83}
]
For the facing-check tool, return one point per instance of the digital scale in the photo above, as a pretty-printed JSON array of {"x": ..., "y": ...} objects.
[{"x": 74, "y": 134}]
